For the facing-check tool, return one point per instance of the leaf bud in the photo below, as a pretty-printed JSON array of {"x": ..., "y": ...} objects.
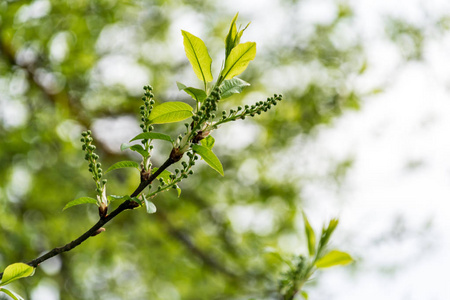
[
  {"x": 152, "y": 102},
  {"x": 89, "y": 132},
  {"x": 184, "y": 164},
  {"x": 83, "y": 147},
  {"x": 82, "y": 140},
  {"x": 190, "y": 172},
  {"x": 239, "y": 108},
  {"x": 104, "y": 181},
  {"x": 98, "y": 165}
]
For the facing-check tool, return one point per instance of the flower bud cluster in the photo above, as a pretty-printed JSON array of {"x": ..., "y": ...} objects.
[
  {"x": 180, "y": 174},
  {"x": 207, "y": 110},
  {"x": 249, "y": 111},
  {"x": 95, "y": 168},
  {"x": 146, "y": 109}
]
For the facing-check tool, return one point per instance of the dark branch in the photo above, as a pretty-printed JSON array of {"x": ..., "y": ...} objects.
[{"x": 94, "y": 230}]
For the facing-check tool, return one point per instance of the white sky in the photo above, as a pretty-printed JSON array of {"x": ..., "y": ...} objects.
[{"x": 383, "y": 196}]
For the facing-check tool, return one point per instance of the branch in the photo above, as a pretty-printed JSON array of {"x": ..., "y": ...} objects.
[{"x": 96, "y": 229}]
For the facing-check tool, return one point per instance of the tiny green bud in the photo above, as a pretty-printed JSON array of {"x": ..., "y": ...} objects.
[
  {"x": 82, "y": 140},
  {"x": 89, "y": 132}
]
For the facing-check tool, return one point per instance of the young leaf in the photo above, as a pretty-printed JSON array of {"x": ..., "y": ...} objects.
[
  {"x": 232, "y": 86},
  {"x": 239, "y": 59},
  {"x": 13, "y": 295},
  {"x": 151, "y": 208},
  {"x": 178, "y": 190},
  {"x": 152, "y": 136},
  {"x": 137, "y": 148},
  {"x": 170, "y": 112},
  {"x": 209, "y": 157},
  {"x": 79, "y": 201},
  {"x": 16, "y": 271},
  {"x": 334, "y": 258},
  {"x": 310, "y": 236},
  {"x": 198, "y": 56},
  {"x": 208, "y": 142},
  {"x": 123, "y": 164},
  {"x": 304, "y": 294},
  {"x": 231, "y": 36},
  {"x": 196, "y": 94}
]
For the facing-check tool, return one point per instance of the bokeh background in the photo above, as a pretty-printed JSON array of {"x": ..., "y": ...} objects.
[{"x": 361, "y": 135}]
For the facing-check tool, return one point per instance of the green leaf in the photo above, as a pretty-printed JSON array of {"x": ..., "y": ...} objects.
[
  {"x": 208, "y": 142},
  {"x": 196, "y": 94},
  {"x": 232, "y": 86},
  {"x": 112, "y": 198},
  {"x": 137, "y": 148},
  {"x": 152, "y": 136},
  {"x": 198, "y": 56},
  {"x": 239, "y": 59},
  {"x": 16, "y": 271},
  {"x": 123, "y": 164},
  {"x": 304, "y": 294},
  {"x": 165, "y": 175},
  {"x": 13, "y": 295},
  {"x": 79, "y": 201},
  {"x": 151, "y": 208},
  {"x": 334, "y": 258},
  {"x": 209, "y": 157},
  {"x": 310, "y": 236},
  {"x": 170, "y": 112},
  {"x": 230, "y": 39}
]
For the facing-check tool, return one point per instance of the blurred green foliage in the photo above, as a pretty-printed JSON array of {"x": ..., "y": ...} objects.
[{"x": 68, "y": 65}]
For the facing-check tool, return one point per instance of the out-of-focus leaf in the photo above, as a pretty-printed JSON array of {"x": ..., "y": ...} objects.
[
  {"x": 13, "y": 295},
  {"x": 170, "y": 112},
  {"x": 78, "y": 201},
  {"x": 334, "y": 258},
  {"x": 310, "y": 236},
  {"x": 123, "y": 164},
  {"x": 209, "y": 157}
]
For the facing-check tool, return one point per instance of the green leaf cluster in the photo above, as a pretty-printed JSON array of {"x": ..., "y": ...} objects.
[{"x": 302, "y": 268}]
